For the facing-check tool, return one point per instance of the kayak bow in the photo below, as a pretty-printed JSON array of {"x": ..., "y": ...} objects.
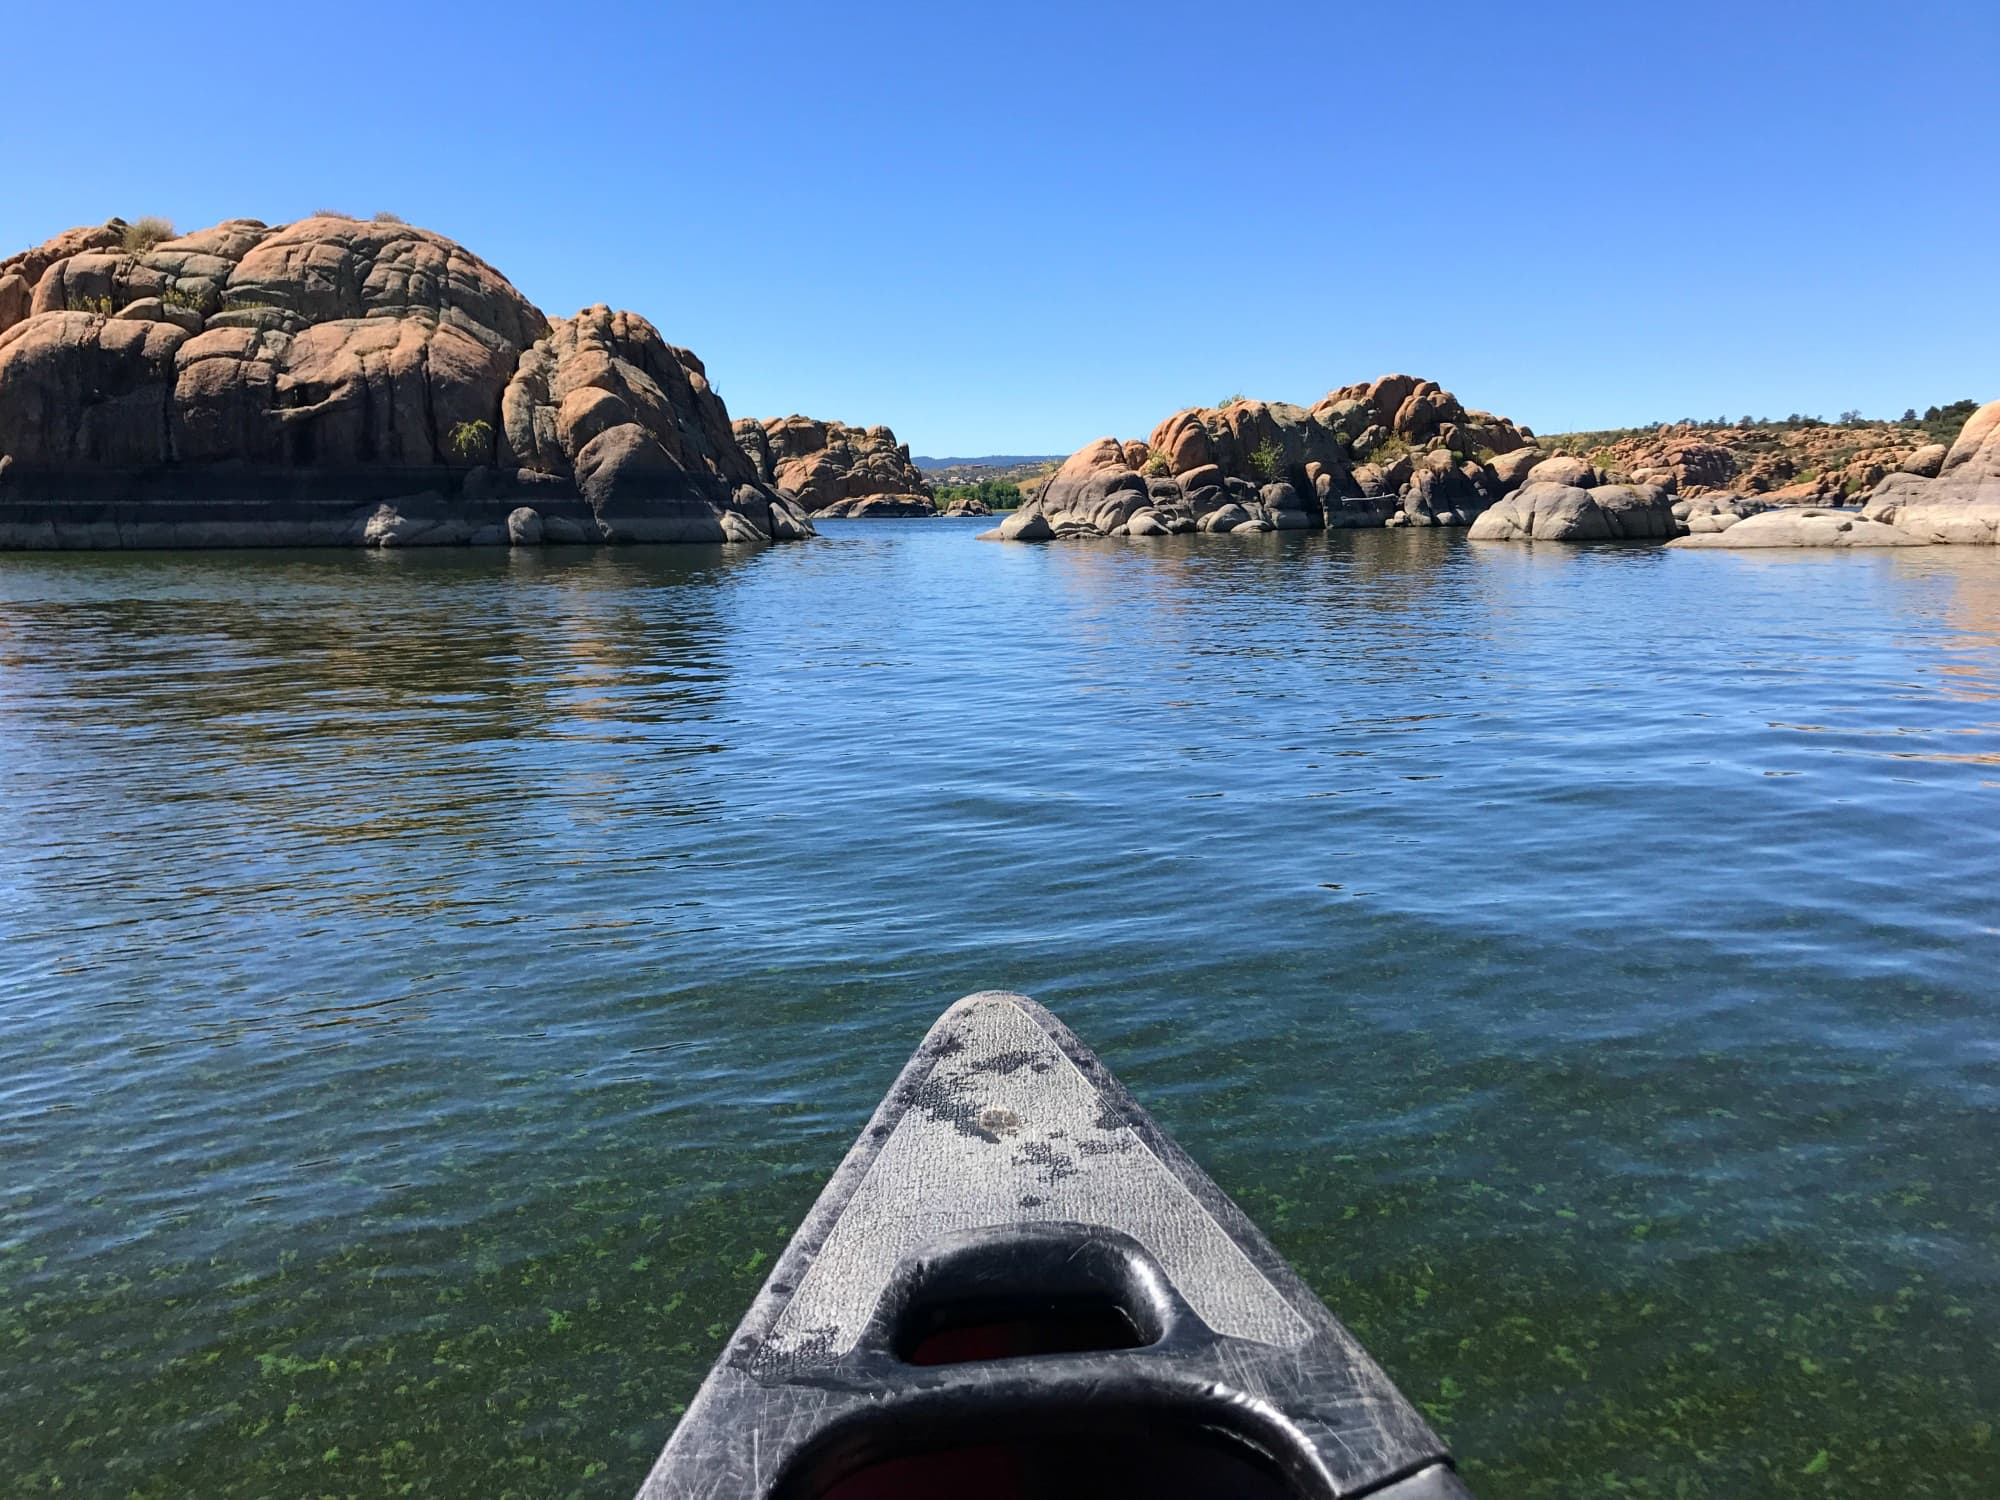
[{"x": 1017, "y": 1285}]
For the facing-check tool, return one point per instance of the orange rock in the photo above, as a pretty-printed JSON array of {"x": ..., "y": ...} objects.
[
  {"x": 829, "y": 466},
  {"x": 381, "y": 357}
]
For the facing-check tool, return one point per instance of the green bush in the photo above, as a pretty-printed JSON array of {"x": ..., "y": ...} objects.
[
  {"x": 1231, "y": 400},
  {"x": 1386, "y": 452},
  {"x": 471, "y": 441},
  {"x": 1942, "y": 423},
  {"x": 1267, "y": 462},
  {"x": 102, "y": 307},
  {"x": 173, "y": 296},
  {"x": 383, "y": 216},
  {"x": 1158, "y": 465},
  {"x": 995, "y": 494},
  {"x": 146, "y": 233}
]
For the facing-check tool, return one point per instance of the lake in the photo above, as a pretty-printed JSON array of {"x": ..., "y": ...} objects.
[{"x": 437, "y": 983}]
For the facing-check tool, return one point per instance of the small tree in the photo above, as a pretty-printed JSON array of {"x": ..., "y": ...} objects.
[
  {"x": 1267, "y": 461},
  {"x": 471, "y": 442}
]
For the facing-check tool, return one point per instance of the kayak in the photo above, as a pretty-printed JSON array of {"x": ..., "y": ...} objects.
[{"x": 1016, "y": 1285}]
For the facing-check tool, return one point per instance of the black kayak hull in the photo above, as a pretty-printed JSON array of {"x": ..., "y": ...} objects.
[{"x": 1017, "y": 1284}]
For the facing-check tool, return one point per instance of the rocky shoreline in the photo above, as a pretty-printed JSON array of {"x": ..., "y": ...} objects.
[
  {"x": 1400, "y": 452},
  {"x": 340, "y": 382}
]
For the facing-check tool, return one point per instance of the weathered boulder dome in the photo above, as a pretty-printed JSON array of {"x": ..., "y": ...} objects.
[{"x": 335, "y": 381}]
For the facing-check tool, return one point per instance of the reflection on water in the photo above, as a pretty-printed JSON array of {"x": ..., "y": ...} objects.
[{"x": 437, "y": 984}]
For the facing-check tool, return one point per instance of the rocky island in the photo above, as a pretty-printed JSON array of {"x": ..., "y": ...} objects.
[
  {"x": 830, "y": 469},
  {"x": 1397, "y": 451},
  {"x": 341, "y": 382}
]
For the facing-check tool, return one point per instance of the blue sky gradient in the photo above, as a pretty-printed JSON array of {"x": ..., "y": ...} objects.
[{"x": 1019, "y": 227}]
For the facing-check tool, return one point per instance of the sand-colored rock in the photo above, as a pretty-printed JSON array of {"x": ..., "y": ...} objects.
[
  {"x": 1961, "y": 505},
  {"x": 1545, "y": 512},
  {"x": 1807, "y": 526},
  {"x": 1926, "y": 462},
  {"x": 1716, "y": 511}
]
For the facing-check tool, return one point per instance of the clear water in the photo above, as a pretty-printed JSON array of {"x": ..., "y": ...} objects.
[{"x": 435, "y": 984}]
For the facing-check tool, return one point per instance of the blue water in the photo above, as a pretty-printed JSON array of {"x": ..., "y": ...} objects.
[{"x": 436, "y": 984}]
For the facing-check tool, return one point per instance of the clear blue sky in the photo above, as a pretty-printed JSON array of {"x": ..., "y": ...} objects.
[{"x": 1016, "y": 227}]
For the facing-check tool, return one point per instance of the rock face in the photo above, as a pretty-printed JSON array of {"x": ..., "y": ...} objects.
[
  {"x": 830, "y": 469},
  {"x": 1962, "y": 503},
  {"x": 1395, "y": 451},
  {"x": 1803, "y": 526},
  {"x": 340, "y": 382},
  {"x": 1551, "y": 511}
]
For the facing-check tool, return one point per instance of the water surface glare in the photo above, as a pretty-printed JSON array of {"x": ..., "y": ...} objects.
[{"x": 436, "y": 984}]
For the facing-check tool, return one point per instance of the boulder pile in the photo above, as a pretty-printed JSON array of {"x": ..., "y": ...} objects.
[
  {"x": 335, "y": 381},
  {"x": 1935, "y": 495},
  {"x": 1398, "y": 451},
  {"x": 1804, "y": 464},
  {"x": 831, "y": 469},
  {"x": 1958, "y": 499}
]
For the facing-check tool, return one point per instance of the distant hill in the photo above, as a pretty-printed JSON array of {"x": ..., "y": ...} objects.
[
  {"x": 990, "y": 461},
  {"x": 995, "y": 468}
]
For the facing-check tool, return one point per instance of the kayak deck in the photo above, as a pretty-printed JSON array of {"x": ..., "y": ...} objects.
[{"x": 1016, "y": 1284}]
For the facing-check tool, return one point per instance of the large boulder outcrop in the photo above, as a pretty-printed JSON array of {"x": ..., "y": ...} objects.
[
  {"x": 1962, "y": 503},
  {"x": 304, "y": 383},
  {"x": 1802, "y": 526},
  {"x": 831, "y": 469},
  {"x": 1544, "y": 511},
  {"x": 1398, "y": 450}
]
